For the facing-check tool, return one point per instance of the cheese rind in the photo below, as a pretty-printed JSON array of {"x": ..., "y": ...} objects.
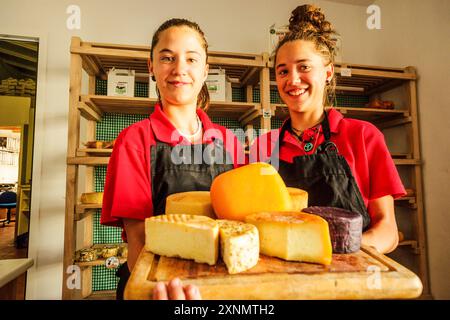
[
  {"x": 299, "y": 198},
  {"x": 345, "y": 227},
  {"x": 293, "y": 236},
  {"x": 239, "y": 245},
  {"x": 249, "y": 189},
  {"x": 191, "y": 202},
  {"x": 184, "y": 236}
]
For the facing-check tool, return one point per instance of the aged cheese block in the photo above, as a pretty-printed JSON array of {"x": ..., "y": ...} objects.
[
  {"x": 86, "y": 255},
  {"x": 92, "y": 197},
  {"x": 185, "y": 236},
  {"x": 345, "y": 227},
  {"x": 299, "y": 198},
  {"x": 239, "y": 245},
  {"x": 191, "y": 202},
  {"x": 293, "y": 236},
  {"x": 249, "y": 189}
]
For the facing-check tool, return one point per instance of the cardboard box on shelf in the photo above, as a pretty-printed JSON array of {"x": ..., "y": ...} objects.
[
  {"x": 276, "y": 33},
  {"x": 121, "y": 82},
  {"x": 152, "y": 88},
  {"x": 219, "y": 86}
]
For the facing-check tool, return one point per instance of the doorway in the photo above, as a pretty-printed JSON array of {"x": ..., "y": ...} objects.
[{"x": 18, "y": 75}]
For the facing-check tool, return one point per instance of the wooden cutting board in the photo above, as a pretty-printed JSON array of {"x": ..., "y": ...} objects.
[{"x": 365, "y": 274}]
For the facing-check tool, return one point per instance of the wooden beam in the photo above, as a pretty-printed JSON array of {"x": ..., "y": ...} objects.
[
  {"x": 88, "y": 161},
  {"x": 20, "y": 65},
  {"x": 89, "y": 112},
  {"x": 104, "y": 52},
  {"x": 18, "y": 55},
  {"x": 393, "y": 123}
]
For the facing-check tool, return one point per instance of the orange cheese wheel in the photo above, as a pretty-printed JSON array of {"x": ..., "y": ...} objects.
[{"x": 249, "y": 189}]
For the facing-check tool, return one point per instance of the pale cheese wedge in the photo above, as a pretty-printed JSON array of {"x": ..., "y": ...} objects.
[
  {"x": 184, "y": 236},
  {"x": 293, "y": 236}
]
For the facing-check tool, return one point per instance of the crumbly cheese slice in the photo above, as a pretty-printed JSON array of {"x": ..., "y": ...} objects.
[
  {"x": 239, "y": 245},
  {"x": 293, "y": 236},
  {"x": 299, "y": 198},
  {"x": 185, "y": 236},
  {"x": 191, "y": 202}
]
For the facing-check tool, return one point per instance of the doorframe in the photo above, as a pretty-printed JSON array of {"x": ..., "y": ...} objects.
[{"x": 32, "y": 283}]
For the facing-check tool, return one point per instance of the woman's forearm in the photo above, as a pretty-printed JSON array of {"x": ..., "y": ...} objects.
[
  {"x": 135, "y": 231},
  {"x": 381, "y": 237},
  {"x": 383, "y": 232}
]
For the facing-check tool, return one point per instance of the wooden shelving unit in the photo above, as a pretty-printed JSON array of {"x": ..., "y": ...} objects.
[
  {"x": 244, "y": 71},
  {"x": 249, "y": 72}
]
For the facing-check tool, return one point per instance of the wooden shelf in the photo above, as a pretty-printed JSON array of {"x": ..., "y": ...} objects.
[
  {"x": 88, "y": 161},
  {"x": 93, "y": 152},
  {"x": 99, "y": 58},
  {"x": 83, "y": 210},
  {"x": 92, "y": 107},
  {"x": 102, "y": 295},
  {"x": 98, "y": 262},
  {"x": 367, "y": 114},
  {"x": 101, "y": 261},
  {"x": 365, "y": 80},
  {"x": 407, "y": 162}
]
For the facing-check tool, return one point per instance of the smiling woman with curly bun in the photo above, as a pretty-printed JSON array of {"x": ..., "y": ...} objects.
[{"x": 341, "y": 162}]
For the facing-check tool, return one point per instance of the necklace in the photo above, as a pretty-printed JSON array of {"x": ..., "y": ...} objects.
[
  {"x": 191, "y": 136},
  {"x": 307, "y": 137}
]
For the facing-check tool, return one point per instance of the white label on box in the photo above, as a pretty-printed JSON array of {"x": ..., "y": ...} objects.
[{"x": 346, "y": 72}]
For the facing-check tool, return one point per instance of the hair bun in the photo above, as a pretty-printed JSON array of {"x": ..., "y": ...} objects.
[{"x": 308, "y": 18}]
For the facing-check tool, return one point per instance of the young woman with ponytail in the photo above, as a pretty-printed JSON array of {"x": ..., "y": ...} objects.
[{"x": 159, "y": 156}]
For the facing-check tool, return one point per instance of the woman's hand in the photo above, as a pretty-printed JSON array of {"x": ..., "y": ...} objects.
[
  {"x": 175, "y": 290},
  {"x": 382, "y": 233}
]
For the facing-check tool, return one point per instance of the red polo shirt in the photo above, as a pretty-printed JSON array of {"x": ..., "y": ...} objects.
[
  {"x": 128, "y": 189},
  {"x": 361, "y": 144}
]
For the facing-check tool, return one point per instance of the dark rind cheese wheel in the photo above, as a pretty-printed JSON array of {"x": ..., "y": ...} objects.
[{"x": 345, "y": 227}]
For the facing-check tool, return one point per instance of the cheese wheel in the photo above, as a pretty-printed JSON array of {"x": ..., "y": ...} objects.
[
  {"x": 249, "y": 189},
  {"x": 191, "y": 202},
  {"x": 184, "y": 236},
  {"x": 239, "y": 245},
  {"x": 299, "y": 198},
  {"x": 92, "y": 198},
  {"x": 345, "y": 227},
  {"x": 293, "y": 236}
]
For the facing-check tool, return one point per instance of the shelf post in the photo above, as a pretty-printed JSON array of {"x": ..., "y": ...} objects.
[{"x": 72, "y": 170}]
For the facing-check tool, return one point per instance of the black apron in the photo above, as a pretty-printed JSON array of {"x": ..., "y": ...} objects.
[
  {"x": 180, "y": 168},
  {"x": 325, "y": 175}
]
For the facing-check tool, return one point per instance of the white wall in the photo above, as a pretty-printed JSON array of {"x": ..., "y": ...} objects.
[
  {"x": 231, "y": 25},
  {"x": 415, "y": 33}
]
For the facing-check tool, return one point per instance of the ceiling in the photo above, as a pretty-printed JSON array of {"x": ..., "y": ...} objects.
[
  {"x": 18, "y": 58},
  {"x": 364, "y": 3}
]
